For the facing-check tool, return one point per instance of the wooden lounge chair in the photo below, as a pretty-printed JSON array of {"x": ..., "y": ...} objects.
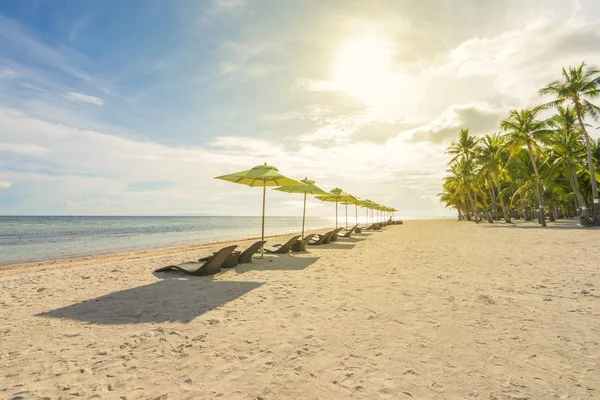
[
  {"x": 348, "y": 232},
  {"x": 300, "y": 244},
  {"x": 336, "y": 232},
  {"x": 246, "y": 255},
  {"x": 373, "y": 227},
  {"x": 202, "y": 268},
  {"x": 239, "y": 257},
  {"x": 320, "y": 239},
  {"x": 282, "y": 248}
]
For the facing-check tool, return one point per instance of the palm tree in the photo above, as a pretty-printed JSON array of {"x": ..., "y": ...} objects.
[
  {"x": 524, "y": 129},
  {"x": 577, "y": 86},
  {"x": 465, "y": 148},
  {"x": 462, "y": 165},
  {"x": 566, "y": 149},
  {"x": 490, "y": 156}
]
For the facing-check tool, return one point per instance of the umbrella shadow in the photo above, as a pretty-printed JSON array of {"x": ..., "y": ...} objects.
[
  {"x": 337, "y": 246},
  {"x": 168, "y": 300},
  {"x": 350, "y": 239},
  {"x": 285, "y": 262}
]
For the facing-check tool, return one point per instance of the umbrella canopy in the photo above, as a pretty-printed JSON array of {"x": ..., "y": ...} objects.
[
  {"x": 369, "y": 205},
  {"x": 337, "y": 195},
  {"x": 308, "y": 187},
  {"x": 261, "y": 175}
]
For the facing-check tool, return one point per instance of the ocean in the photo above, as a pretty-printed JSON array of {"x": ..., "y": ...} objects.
[{"x": 33, "y": 239}]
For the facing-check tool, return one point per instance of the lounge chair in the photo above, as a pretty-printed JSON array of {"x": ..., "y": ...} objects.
[
  {"x": 336, "y": 232},
  {"x": 282, "y": 248},
  {"x": 348, "y": 232},
  {"x": 202, "y": 268},
  {"x": 300, "y": 244},
  {"x": 246, "y": 255},
  {"x": 320, "y": 239},
  {"x": 238, "y": 257},
  {"x": 373, "y": 227}
]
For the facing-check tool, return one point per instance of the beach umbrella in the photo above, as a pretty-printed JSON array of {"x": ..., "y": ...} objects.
[
  {"x": 262, "y": 176},
  {"x": 352, "y": 200},
  {"x": 336, "y": 195},
  {"x": 308, "y": 187},
  {"x": 370, "y": 205}
]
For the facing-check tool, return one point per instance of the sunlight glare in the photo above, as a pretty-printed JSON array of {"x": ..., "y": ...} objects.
[{"x": 363, "y": 68}]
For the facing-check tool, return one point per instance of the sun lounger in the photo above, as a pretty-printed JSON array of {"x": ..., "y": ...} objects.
[
  {"x": 246, "y": 255},
  {"x": 202, "y": 268},
  {"x": 348, "y": 232},
  {"x": 336, "y": 232},
  {"x": 373, "y": 227},
  {"x": 239, "y": 257},
  {"x": 282, "y": 248},
  {"x": 320, "y": 239},
  {"x": 300, "y": 244}
]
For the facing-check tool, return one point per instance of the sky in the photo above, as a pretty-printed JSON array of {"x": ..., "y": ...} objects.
[{"x": 133, "y": 107}]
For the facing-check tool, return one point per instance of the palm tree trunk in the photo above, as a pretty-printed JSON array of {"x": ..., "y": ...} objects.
[
  {"x": 524, "y": 207},
  {"x": 542, "y": 217},
  {"x": 588, "y": 147},
  {"x": 474, "y": 206},
  {"x": 493, "y": 196},
  {"x": 505, "y": 211},
  {"x": 585, "y": 215}
]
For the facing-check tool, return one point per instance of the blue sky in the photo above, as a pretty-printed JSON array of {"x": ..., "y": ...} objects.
[{"x": 114, "y": 107}]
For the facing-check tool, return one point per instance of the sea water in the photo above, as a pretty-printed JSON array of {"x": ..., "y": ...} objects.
[{"x": 31, "y": 239}]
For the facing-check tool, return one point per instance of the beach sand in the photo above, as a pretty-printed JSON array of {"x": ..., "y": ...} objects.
[{"x": 425, "y": 310}]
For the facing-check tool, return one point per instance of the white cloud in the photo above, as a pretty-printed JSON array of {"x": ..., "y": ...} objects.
[
  {"x": 23, "y": 148},
  {"x": 7, "y": 73},
  {"x": 81, "y": 98},
  {"x": 5, "y": 185}
]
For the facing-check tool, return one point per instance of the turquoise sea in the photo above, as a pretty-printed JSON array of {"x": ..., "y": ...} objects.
[{"x": 30, "y": 239}]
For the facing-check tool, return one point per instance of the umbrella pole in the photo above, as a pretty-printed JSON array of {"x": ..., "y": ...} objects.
[
  {"x": 356, "y": 214},
  {"x": 346, "y": 215},
  {"x": 262, "y": 236},
  {"x": 336, "y": 217},
  {"x": 303, "y": 215}
]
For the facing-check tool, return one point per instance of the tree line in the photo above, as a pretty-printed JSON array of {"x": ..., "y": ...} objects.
[{"x": 534, "y": 167}]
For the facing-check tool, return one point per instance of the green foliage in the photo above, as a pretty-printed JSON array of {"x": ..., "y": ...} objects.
[{"x": 534, "y": 161}]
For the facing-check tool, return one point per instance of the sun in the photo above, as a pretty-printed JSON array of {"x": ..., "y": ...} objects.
[{"x": 363, "y": 67}]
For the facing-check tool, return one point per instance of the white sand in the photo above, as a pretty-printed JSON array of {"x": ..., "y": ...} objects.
[{"x": 427, "y": 310}]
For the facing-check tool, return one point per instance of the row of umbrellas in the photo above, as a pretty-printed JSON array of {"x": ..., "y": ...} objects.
[{"x": 267, "y": 175}]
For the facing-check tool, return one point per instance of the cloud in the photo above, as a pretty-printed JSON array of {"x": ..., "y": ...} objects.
[
  {"x": 148, "y": 186},
  {"x": 81, "y": 98},
  {"x": 5, "y": 185},
  {"x": 7, "y": 73},
  {"x": 219, "y": 9},
  {"x": 480, "y": 118},
  {"x": 20, "y": 38},
  {"x": 377, "y": 131},
  {"x": 23, "y": 148}
]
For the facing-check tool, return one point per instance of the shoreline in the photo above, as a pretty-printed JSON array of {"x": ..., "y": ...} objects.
[{"x": 70, "y": 262}]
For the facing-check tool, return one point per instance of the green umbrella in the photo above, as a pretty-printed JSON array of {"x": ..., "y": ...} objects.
[
  {"x": 336, "y": 195},
  {"x": 370, "y": 205},
  {"x": 309, "y": 187},
  {"x": 261, "y": 175}
]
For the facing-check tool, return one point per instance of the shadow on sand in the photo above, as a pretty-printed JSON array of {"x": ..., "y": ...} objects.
[
  {"x": 352, "y": 239},
  {"x": 339, "y": 245},
  {"x": 284, "y": 262},
  {"x": 559, "y": 224},
  {"x": 169, "y": 300}
]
